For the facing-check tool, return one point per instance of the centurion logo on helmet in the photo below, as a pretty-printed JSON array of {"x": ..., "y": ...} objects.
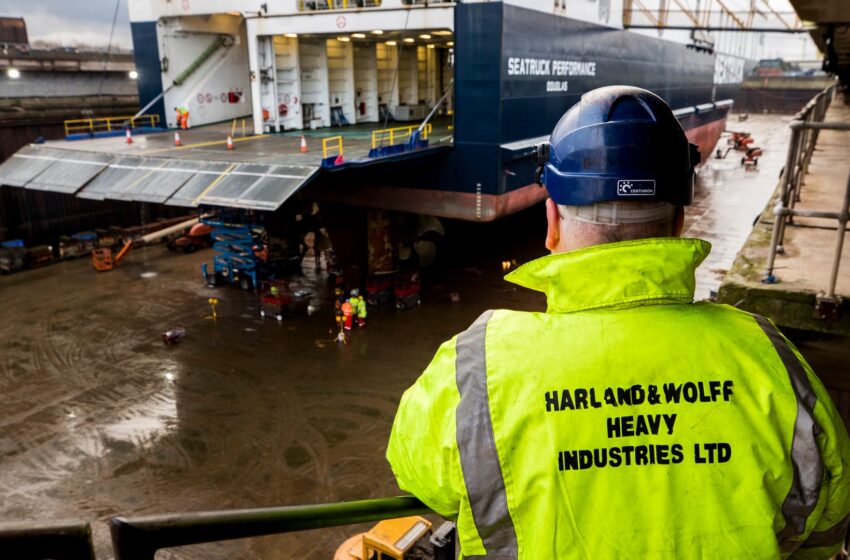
[
  {"x": 617, "y": 142},
  {"x": 637, "y": 187}
]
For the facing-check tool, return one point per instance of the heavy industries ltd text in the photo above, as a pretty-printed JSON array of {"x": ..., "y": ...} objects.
[{"x": 636, "y": 425}]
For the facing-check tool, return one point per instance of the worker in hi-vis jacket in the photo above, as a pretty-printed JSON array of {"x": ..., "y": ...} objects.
[{"x": 627, "y": 421}]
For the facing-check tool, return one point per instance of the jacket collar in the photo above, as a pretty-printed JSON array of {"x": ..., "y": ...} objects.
[{"x": 616, "y": 274}]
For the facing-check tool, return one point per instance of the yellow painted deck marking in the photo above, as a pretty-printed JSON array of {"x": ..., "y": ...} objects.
[
  {"x": 199, "y": 145},
  {"x": 214, "y": 183}
]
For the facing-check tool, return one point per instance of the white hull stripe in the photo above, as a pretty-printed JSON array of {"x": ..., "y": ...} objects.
[{"x": 479, "y": 459}]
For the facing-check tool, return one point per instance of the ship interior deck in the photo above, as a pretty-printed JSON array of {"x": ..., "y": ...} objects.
[{"x": 209, "y": 142}]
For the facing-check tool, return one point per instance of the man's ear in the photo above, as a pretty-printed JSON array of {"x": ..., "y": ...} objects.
[
  {"x": 553, "y": 230},
  {"x": 678, "y": 221}
]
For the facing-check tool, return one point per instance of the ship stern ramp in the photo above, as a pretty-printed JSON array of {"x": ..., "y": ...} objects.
[{"x": 201, "y": 174}]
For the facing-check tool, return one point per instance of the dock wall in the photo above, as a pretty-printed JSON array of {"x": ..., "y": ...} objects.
[{"x": 780, "y": 94}]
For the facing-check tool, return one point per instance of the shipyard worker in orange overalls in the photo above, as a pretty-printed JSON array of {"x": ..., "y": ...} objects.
[
  {"x": 347, "y": 314},
  {"x": 182, "y": 116},
  {"x": 627, "y": 421}
]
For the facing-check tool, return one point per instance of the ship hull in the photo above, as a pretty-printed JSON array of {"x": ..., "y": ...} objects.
[{"x": 516, "y": 72}]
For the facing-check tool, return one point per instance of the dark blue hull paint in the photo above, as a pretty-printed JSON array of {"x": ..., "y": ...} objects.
[
  {"x": 493, "y": 107},
  {"x": 146, "y": 55}
]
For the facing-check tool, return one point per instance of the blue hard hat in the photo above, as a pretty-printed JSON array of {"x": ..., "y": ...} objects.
[{"x": 618, "y": 143}]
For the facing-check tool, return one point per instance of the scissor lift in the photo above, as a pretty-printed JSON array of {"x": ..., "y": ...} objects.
[{"x": 237, "y": 261}]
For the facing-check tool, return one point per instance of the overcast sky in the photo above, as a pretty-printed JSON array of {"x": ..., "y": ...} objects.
[{"x": 72, "y": 22}]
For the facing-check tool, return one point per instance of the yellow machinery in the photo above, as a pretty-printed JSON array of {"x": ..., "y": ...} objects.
[{"x": 405, "y": 538}]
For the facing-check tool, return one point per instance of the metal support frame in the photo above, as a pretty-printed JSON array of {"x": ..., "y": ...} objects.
[
  {"x": 140, "y": 538},
  {"x": 40, "y": 541},
  {"x": 805, "y": 128},
  {"x": 723, "y": 19}
]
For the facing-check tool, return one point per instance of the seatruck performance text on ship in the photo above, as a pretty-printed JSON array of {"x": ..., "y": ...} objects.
[{"x": 547, "y": 67}]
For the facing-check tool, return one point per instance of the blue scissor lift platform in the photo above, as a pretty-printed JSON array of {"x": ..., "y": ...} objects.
[{"x": 236, "y": 261}]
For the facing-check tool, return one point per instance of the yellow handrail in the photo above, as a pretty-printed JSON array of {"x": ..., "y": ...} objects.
[
  {"x": 393, "y": 136},
  {"x": 332, "y": 143},
  {"x": 107, "y": 124}
]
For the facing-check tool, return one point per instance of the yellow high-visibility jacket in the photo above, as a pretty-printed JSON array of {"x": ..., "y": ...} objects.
[{"x": 625, "y": 422}]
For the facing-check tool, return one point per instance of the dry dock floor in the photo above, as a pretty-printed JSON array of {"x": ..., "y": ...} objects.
[{"x": 98, "y": 417}]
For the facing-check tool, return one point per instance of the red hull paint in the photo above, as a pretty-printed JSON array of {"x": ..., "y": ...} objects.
[
  {"x": 442, "y": 204},
  {"x": 481, "y": 207},
  {"x": 706, "y": 137}
]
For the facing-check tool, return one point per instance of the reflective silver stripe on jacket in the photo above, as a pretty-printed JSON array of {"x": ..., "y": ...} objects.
[
  {"x": 476, "y": 444},
  {"x": 805, "y": 455}
]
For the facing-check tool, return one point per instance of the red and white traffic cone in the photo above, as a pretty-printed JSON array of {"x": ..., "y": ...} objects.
[
  {"x": 304, "y": 149},
  {"x": 128, "y": 136},
  {"x": 177, "y": 141},
  {"x": 229, "y": 142}
]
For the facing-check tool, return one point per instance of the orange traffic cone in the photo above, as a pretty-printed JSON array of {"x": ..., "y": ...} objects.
[
  {"x": 229, "y": 142},
  {"x": 304, "y": 149},
  {"x": 129, "y": 136},
  {"x": 177, "y": 141}
]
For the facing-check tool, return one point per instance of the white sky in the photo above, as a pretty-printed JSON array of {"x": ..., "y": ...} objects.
[{"x": 73, "y": 22}]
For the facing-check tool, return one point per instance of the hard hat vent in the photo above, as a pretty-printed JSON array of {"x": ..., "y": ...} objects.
[{"x": 628, "y": 108}]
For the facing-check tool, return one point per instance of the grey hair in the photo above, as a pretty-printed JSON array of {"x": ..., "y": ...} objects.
[{"x": 599, "y": 233}]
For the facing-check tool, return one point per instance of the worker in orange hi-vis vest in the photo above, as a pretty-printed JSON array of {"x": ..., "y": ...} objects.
[
  {"x": 347, "y": 314},
  {"x": 182, "y": 116}
]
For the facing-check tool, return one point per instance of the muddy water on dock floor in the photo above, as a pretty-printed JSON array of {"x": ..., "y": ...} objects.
[{"x": 98, "y": 417}]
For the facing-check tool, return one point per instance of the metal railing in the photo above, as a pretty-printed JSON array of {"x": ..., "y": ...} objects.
[
  {"x": 332, "y": 145},
  {"x": 108, "y": 124},
  {"x": 139, "y": 538},
  {"x": 805, "y": 128},
  {"x": 317, "y": 5},
  {"x": 393, "y": 136},
  {"x": 39, "y": 541}
]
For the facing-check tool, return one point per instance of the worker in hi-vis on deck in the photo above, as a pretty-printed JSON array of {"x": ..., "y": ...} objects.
[
  {"x": 182, "y": 116},
  {"x": 627, "y": 421}
]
